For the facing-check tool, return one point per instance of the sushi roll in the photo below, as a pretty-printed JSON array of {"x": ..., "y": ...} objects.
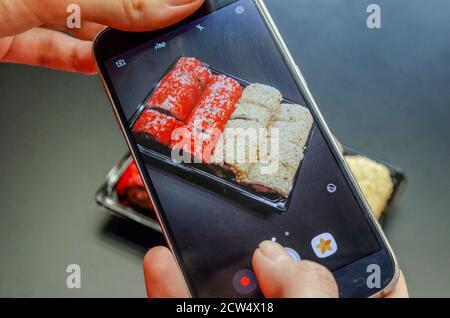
[
  {"x": 131, "y": 191},
  {"x": 238, "y": 157},
  {"x": 196, "y": 67},
  {"x": 291, "y": 113},
  {"x": 178, "y": 92},
  {"x": 262, "y": 95},
  {"x": 209, "y": 117},
  {"x": 279, "y": 182},
  {"x": 216, "y": 104},
  {"x": 375, "y": 182},
  {"x": 275, "y": 170},
  {"x": 251, "y": 112},
  {"x": 287, "y": 154},
  {"x": 197, "y": 145},
  {"x": 295, "y": 132},
  {"x": 154, "y": 125}
]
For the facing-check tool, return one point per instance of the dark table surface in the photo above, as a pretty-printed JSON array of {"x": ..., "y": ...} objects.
[{"x": 385, "y": 92}]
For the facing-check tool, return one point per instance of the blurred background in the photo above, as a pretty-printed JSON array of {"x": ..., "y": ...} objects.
[{"x": 384, "y": 92}]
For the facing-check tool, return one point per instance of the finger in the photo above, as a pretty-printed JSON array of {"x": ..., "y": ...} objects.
[
  {"x": 43, "y": 47},
  {"x": 87, "y": 31},
  {"x": 400, "y": 290},
  {"x": 162, "y": 276},
  {"x": 131, "y": 15},
  {"x": 280, "y": 276}
]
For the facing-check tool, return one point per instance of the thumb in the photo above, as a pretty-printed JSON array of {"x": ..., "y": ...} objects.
[{"x": 280, "y": 276}]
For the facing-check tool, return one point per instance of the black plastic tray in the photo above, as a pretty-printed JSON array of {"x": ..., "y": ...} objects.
[
  {"x": 159, "y": 156},
  {"x": 107, "y": 197}
]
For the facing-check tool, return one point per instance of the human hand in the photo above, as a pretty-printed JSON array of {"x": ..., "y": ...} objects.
[
  {"x": 277, "y": 273},
  {"x": 30, "y": 29}
]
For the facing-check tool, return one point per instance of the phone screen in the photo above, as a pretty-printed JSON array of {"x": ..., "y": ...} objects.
[{"x": 222, "y": 194}]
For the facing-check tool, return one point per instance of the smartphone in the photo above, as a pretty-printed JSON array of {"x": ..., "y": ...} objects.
[{"x": 227, "y": 67}]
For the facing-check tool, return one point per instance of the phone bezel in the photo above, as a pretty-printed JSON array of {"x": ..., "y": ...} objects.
[{"x": 111, "y": 43}]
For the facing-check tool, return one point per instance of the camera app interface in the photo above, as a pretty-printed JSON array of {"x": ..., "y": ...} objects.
[{"x": 233, "y": 152}]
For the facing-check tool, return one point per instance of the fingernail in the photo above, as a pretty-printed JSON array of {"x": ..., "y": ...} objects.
[
  {"x": 178, "y": 2},
  {"x": 274, "y": 251}
]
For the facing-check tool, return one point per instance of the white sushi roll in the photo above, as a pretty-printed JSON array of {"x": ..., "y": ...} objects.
[
  {"x": 237, "y": 149},
  {"x": 295, "y": 132},
  {"x": 290, "y": 128},
  {"x": 277, "y": 182},
  {"x": 276, "y": 169},
  {"x": 291, "y": 113},
  {"x": 251, "y": 112},
  {"x": 286, "y": 154},
  {"x": 262, "y": 95}
]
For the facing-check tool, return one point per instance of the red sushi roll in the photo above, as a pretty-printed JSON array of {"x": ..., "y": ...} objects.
[
  {"x": 208, "y": 119},
  {"x": 216, "y": 104},
  {"x": 196, "y": 67},
  {"x": 178, "y": 92},
  {"x": 131, "y": 190},
  {"x": 153, "y": 124},
  {"x": 200, "y": 145}
]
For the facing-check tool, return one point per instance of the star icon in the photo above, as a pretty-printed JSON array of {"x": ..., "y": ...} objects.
[{"x": 324, "y": 245}]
